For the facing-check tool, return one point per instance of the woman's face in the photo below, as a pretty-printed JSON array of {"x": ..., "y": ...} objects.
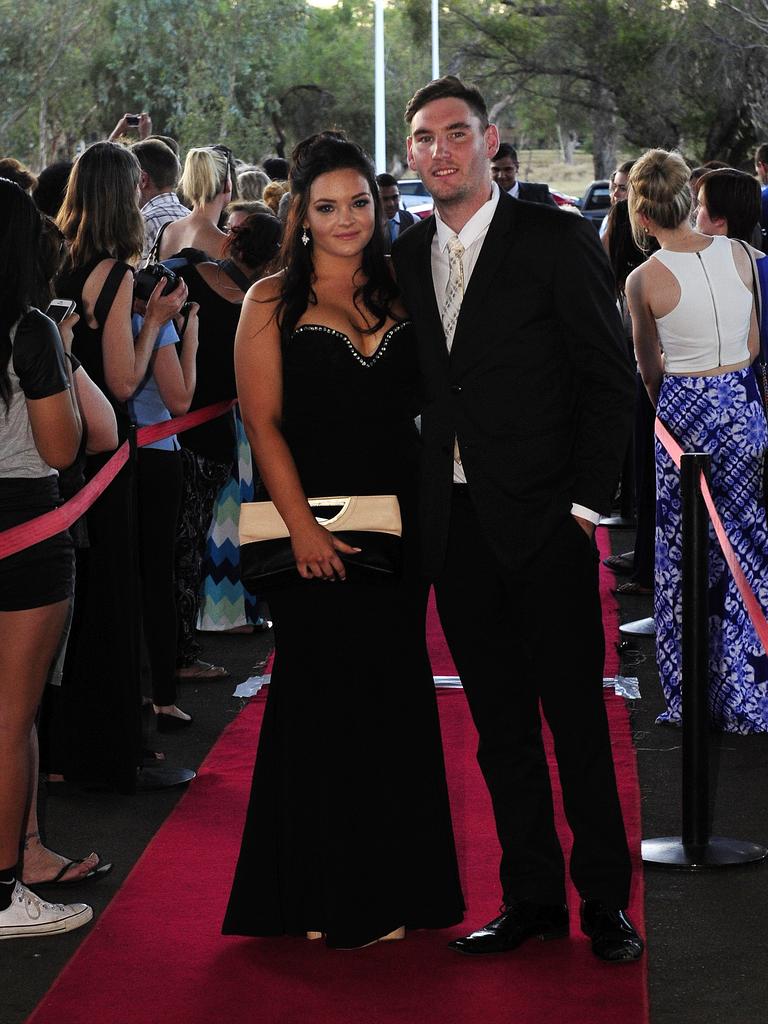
[
  {"x": 341, "y": 213},
  {"x": 705, "y": 223}
]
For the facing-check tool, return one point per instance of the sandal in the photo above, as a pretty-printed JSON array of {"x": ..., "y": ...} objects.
[
  {"x": 624, "y": 563},
  {"x": 58, "y": 879},
  {"x": 634, "y": 588},
  {"x": 201, "y": 670}
]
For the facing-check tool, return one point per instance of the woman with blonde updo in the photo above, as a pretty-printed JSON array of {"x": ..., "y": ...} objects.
[
  {"x": 206, "y": 183},
  {"x": 696, "y": 336}
]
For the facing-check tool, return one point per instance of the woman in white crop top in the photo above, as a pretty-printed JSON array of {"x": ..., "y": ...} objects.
[{"x": 696, "y": 336}]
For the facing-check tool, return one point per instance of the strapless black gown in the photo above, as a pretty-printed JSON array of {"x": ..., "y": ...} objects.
[{"x": 348, "y": 829}]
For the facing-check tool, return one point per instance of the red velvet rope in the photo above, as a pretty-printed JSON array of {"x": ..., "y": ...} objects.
[
  {"x": 50, "y": 523},
  {"x": 754, "y": 609}
]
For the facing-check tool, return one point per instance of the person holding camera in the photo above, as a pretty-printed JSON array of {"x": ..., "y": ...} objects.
[{"x": 101, "y": 221}]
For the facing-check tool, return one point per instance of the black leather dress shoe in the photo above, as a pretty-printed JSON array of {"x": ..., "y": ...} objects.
[
  {"x": 518, "y": 921},
  {"x": 614, "y": 937}
]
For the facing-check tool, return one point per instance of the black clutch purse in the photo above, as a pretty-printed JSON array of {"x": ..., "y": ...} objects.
[{"x": 370, "y": 522}]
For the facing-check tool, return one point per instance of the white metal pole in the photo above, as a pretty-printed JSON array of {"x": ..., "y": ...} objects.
[
  {"x": 435, "y": 40},
  {"x": 380, "y": 108}
]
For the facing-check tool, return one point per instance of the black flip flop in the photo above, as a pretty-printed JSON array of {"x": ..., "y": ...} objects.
[{"x": 58, "y": 880}]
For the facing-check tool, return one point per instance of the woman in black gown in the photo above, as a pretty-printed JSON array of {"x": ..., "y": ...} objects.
[{"x": 348, "y": 832}]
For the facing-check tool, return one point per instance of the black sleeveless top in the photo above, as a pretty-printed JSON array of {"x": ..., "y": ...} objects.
[
  {"x": 87, "y": 342},
  {"x": 348, "y": 419},
  {"x": 215, "y": 368}
]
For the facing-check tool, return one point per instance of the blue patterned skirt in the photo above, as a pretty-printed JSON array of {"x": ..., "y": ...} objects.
[{"x": 724, "y": 417}]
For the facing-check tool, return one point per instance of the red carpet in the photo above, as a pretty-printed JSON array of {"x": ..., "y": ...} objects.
[{"x": 156, "y": 956}]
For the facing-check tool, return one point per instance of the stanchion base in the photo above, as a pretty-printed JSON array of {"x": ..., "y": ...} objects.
[
  {"x": 618, "y": 522},
  {"x": 670, "y": 852},
  {"x": 162, "y": 777},
  {"x": 640, "y": 627}
]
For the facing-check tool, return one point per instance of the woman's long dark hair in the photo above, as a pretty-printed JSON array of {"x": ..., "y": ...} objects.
[
  {"x": 320, "y": 154},
  {"x": 21, "y": 281},
  {"x": 623, "y": 252}
]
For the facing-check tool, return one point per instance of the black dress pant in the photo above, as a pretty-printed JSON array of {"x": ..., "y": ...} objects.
[{"x": 518, "y": 650}]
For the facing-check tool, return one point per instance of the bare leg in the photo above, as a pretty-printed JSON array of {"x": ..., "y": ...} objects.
[
  {"x": 28, "y": 641},
  {"x": 38, "y": 863}
]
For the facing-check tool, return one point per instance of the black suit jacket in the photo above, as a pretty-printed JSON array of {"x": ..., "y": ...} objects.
[
  {"x": 537, "y": 387},
  {"x": 535, "y": 192}
]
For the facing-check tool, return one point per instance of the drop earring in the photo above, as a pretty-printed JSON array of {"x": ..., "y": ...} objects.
[{"x": 304, "y": 237}]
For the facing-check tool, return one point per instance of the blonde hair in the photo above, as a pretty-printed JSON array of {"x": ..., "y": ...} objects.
[
  {"x": 273, "y": 193},
  {"x": 205, "y": 175},
  {"x": 251, "y": 184},
  {"x": 659, "y": 189}
]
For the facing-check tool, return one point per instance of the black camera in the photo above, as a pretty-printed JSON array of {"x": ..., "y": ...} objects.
[{"x": 147, "y": 279}]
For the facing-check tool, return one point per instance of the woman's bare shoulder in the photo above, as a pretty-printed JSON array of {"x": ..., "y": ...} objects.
[{"x": 267, "y": 289}]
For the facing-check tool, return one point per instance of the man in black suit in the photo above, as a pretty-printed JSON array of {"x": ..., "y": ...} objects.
[
  {"x": 396, "y": 220},
  {"x": 504, "y": 168},
  {"x": 527, "y": 411}
]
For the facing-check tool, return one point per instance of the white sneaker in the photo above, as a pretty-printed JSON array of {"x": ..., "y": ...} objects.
[{"x": 29, "y": 915}]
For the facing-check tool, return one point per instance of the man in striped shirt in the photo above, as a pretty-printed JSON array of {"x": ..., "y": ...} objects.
[{"x": 160, "y": 172}]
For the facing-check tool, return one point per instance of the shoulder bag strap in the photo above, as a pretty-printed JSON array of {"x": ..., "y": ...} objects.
[
  {"x": 154, "y": 253},
  {"x": 235, "y": 274},
  {"x": 108, "y": 292}
]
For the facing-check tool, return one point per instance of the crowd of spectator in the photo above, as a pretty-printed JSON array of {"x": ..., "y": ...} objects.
[{"x": 155, "y": 257}]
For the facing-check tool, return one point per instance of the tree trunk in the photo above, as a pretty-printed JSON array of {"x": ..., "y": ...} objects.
[
  {"x": 603, "y": 133},
  {"x": 567, "y": 139}
]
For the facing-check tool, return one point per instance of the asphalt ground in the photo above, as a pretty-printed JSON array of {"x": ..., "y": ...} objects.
[{"x": 707, "y": 931}]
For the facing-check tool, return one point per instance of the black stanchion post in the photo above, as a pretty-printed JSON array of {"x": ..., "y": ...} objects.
[{"x": 696, "y": 849}]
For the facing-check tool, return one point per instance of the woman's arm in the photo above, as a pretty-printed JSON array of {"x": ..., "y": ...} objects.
[
  {"x": 259, "y": 373},
  {"x": 175, "y": 376},
  {"x": 126, "y": 361},
  {"x": 645, "y": 336},
  {"x": 744, "y": 265}
]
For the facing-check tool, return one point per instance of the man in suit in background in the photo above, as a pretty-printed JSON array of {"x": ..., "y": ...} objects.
[
  {"x": 504, "y": 168},
  {"x": 396, "y": 219},
  {"x": 526, "y": 416}
]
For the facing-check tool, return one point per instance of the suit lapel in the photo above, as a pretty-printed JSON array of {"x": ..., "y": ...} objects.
[
  {"x": 494, "y": 251},
  {"x": 432, "y": 327}
]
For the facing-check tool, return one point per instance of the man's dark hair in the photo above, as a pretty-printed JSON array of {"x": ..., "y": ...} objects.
[
  {"x": 735, "y": 196},
  {"x": 159, "y": 162},
  {"x": 276, "y": 167},
  {"x": 506, "y": 149},
  {"x": 761, "y": 153},
  {"x": 172, "y": 144},
  {"x": 385, "y": 180},
  {"x": 51, "y": 187},
  {"x": 448, "y": 87}
]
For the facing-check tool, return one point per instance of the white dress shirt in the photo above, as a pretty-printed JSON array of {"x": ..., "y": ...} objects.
[{"x": 472, "y": 236}]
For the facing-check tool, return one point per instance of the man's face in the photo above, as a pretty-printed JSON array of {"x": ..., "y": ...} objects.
[
  {"x": 504, "y": 172},
  {"x": 390, "y": 200},
  {"x": 451, "y": 151},
  {"x": 761, "y": 170},
  {"x": 619, "y": 186}
]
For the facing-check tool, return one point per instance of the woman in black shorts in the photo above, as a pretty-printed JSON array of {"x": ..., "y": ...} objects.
[{"x": 40, "y": 433}]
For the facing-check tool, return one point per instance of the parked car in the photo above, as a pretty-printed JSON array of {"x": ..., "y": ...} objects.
[
  {"x": 563, "y": 199},
  {"x": 595, "y": 202},
  {"x": 414, "y": 197}
]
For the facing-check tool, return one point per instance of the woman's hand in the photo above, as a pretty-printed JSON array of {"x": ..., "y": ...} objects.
[
  {"x": 66, "y": 331},
  {"x": 315, "y": 550},
  {"x": 162, "y": 308}
]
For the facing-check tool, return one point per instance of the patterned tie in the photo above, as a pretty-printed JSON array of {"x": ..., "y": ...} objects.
[{"x": 454, "y": 291}]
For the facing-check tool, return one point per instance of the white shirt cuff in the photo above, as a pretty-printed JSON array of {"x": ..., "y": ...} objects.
[{"x": 585, "y": 513}]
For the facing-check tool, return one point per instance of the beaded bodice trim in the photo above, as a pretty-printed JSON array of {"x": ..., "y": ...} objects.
[{"x": 366, "y": 361}]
